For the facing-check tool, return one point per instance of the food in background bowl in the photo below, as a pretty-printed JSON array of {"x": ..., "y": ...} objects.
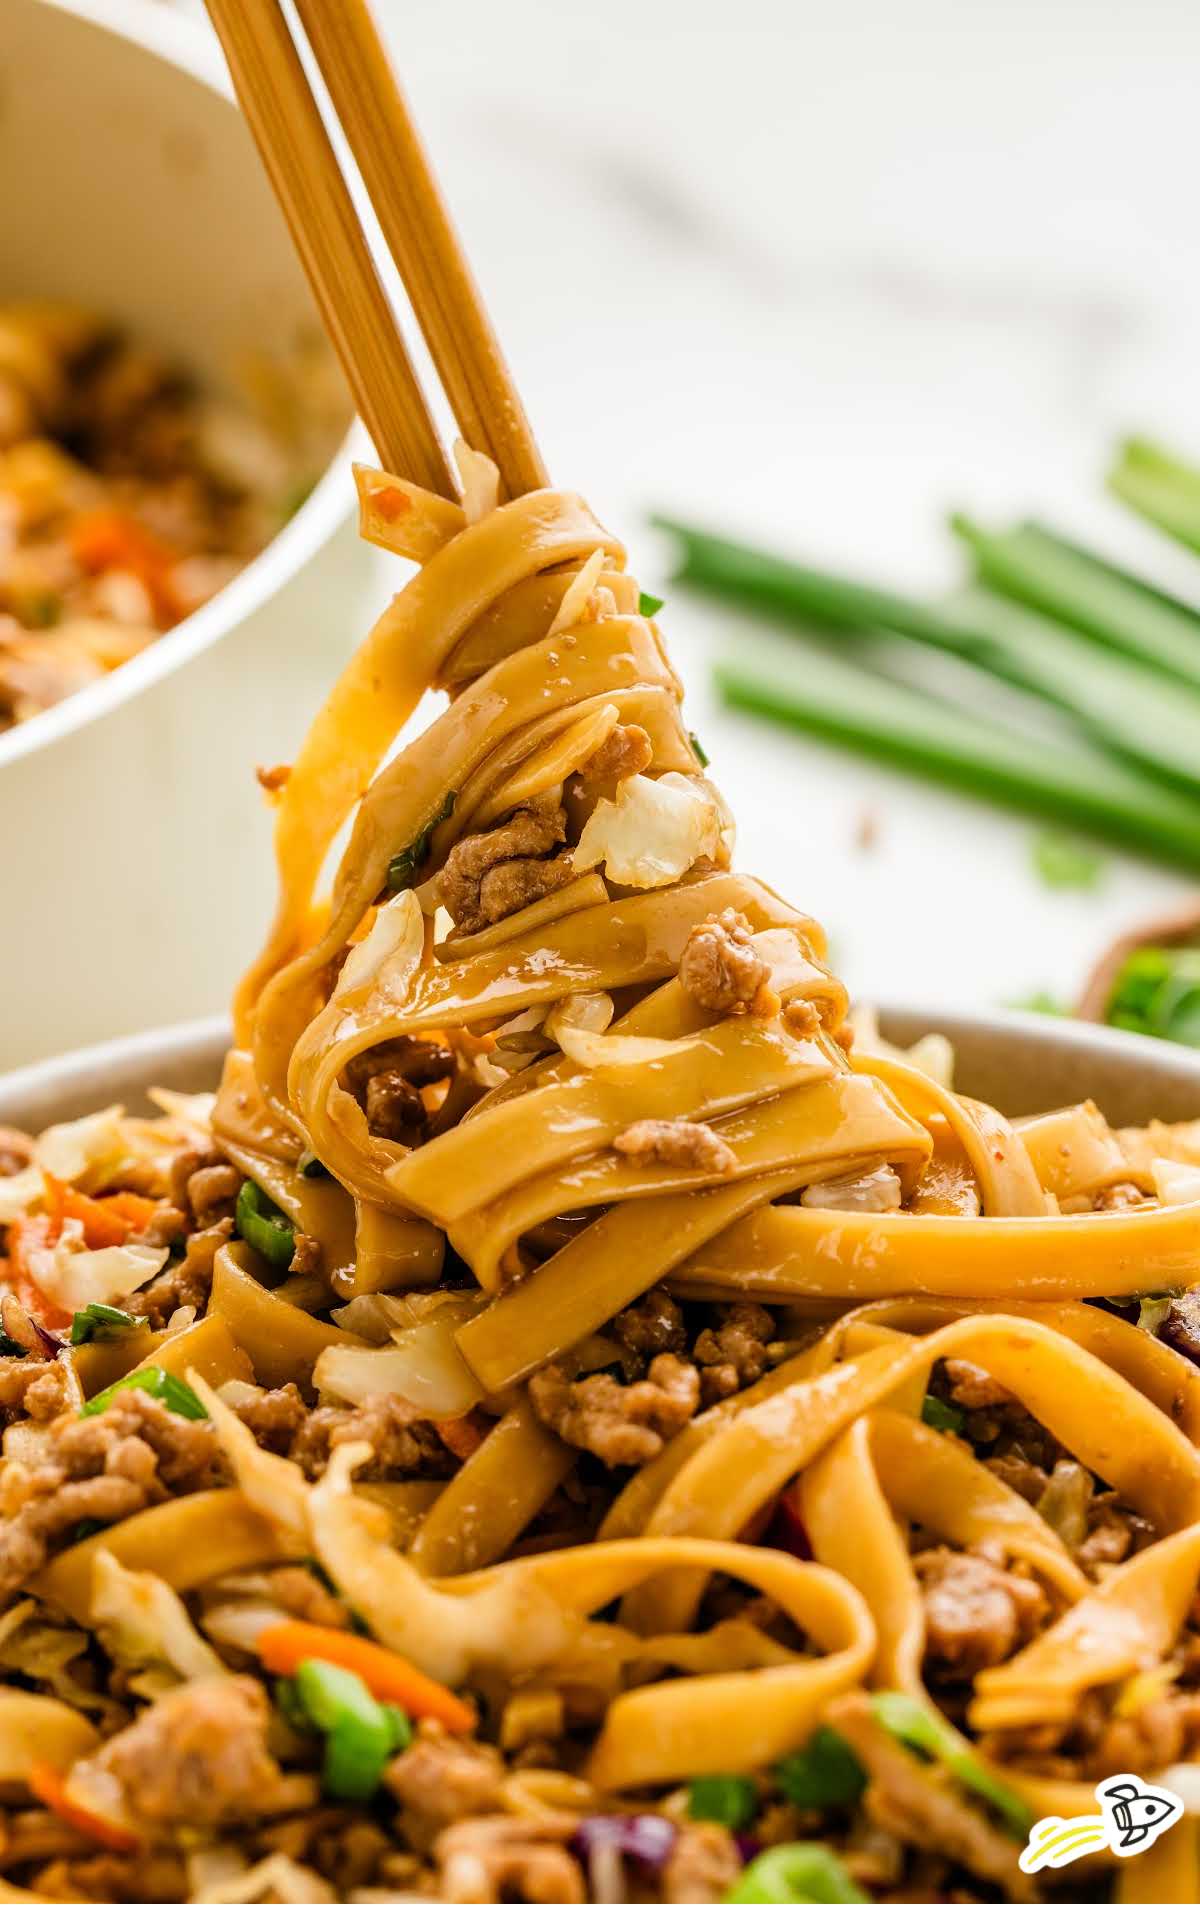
[{"x": 129, "y": 495}]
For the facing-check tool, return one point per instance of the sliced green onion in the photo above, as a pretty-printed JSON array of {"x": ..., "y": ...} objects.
[
  {"x": 826, "y": 695},
  {"x": 698, "y": 748},
  {"x": 1153, "y": 1312},
  {"x": 908, "y": 1721},
  {"x": 942, "y": 1415},
  {"x": 728, "y": 1799},
  {"x": 1110, "y": 605},
  {"x": 1160, "y": 486},
  {"x": 98, "y": 1322},
  {"x": 649, "y": 605},
  {"x": 1114, "y": 690},
  {"x": 1044, "y": 1002},
  {"x": 803, "y": 1874},
  {"x": 1062, "y": 862},
  {"x": 404, "y": 866},
  {"x": 826, "y": 1773},
  {"x": 1157, "y": 991},
  {"x": 171, "y": 1390},
  {"x": 288, "y": 1700},
  {"x": 264, "y": 1226},
  {"x": 361, "y": 1735},
  {"x": 85, "y": 1529}
]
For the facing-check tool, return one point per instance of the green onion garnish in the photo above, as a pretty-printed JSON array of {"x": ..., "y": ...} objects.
[
  {"x": 698, "y": 748},
  {"x": 264, "y": 1226},
  {"x": 404, "y": 866},
  {"x": 1160, "y": 486},
  {"x": 942, "y": 1415},
  {"x": 649, "y": 605},
  {"x": 916, "y": 1727},
  {"x": 825, "y": 1773},
  {"x": 1157, "y": 991},
  {"x": 729, "y": 1799},
  {"x": 99, "y": 1322},
  {"x": 1062, "y": 862},
  {"x": 171, "y": 1390},
  {"x": 1153, "y": 1312},
  {"x": 85, "y": 1529},
  {"x": 803, "y": 1874},
  {"x": 361, "y": 1734}
]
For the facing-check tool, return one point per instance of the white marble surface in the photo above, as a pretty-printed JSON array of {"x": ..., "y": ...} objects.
[{"x": 820, "y": 273}]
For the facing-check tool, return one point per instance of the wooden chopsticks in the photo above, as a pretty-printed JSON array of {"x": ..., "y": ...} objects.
[
  {"x": 414, "y": 219},
  {"x": 286, "y": 121},
  {"x": 274, "y": 94}
]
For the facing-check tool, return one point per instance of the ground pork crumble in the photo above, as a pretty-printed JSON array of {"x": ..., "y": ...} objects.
[
  {"x": 672, "y": 1365},
  {"x": 199, "y": 1755},
  {"x": 695, "y": 1147},
  {"x": 720, "y": 970},
  {"x": 99, "y": 1468},
  {"x": 977, "y": 1612},
  {"x": 391, "y": 1081},
  {"x": 626, "y": 751},
  {"x": 622, "y": 1423},
  {"x": 489, "y": 875}
]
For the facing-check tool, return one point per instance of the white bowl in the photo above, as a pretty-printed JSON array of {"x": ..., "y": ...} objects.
[
  {"x": 1015, "y": 1060},
  {"x": 134, "y": 844}
]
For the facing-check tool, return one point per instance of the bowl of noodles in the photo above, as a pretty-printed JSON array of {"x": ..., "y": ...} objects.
[
  {"x": 553, "y": 1403},
  {"x": 175, "y": 551}
]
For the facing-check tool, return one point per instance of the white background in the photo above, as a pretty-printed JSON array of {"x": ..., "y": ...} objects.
[{"x": 820, "y": 273}]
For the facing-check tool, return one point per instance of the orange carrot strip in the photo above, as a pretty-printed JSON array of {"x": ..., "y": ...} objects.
[
  {"x": 131, "y": 1207},
  {"x": 462, "y": 1435},
  {"x": 108, "y": 539},
  {"x": 25, "y": 1236},
  {"x": 48, "y": 1784},
  {"x": 388, "y": 1676},
  {"x": 105, "y": 1220}
]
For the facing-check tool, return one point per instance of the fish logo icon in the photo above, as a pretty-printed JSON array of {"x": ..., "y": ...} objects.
[{"x": 1132, "y": 1815}]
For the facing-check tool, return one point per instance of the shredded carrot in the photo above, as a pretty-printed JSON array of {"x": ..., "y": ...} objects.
[
  {"x": 48, "y": 1784},
  {"x": 105, "y": 1220},
  {"x": 27, "y": 1235},
  {"x": 462, "y": 1435},
  {"x": 391, "y": 504},
  {"x": 388, "y": 1676},
  {"x": 104, "y": 539}
]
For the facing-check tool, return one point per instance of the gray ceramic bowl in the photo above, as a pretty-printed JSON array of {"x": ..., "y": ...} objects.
[{"x": 1015, "y": 1061}]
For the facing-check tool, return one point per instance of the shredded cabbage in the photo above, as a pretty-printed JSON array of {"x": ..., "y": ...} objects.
[
  {"x": 876, "y": 1190},
  {"x": 580, "y": 1012},
  {"x": 574, "y": 606},
  {"x": 597, "y": 1050},
  {"x": 89, "y": 1151},
  {"x": 423, "y": 1367},
  {"x": 388, "y": 956},
  {"x": 932, "y": 1054},
  {"x": 653, "y": 831},
  {"x": 143, "y": 1622},
  {"x": 73, "y": 1277},
  {"x": 19, "y": 1193},
  {"x": 191, "y": 1110},
  {"x": 1175, "y": 1183},
  {"x": 479, "y": 480}
]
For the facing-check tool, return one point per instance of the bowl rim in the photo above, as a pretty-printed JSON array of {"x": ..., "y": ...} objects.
[{"x": 184, "y": 42}]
